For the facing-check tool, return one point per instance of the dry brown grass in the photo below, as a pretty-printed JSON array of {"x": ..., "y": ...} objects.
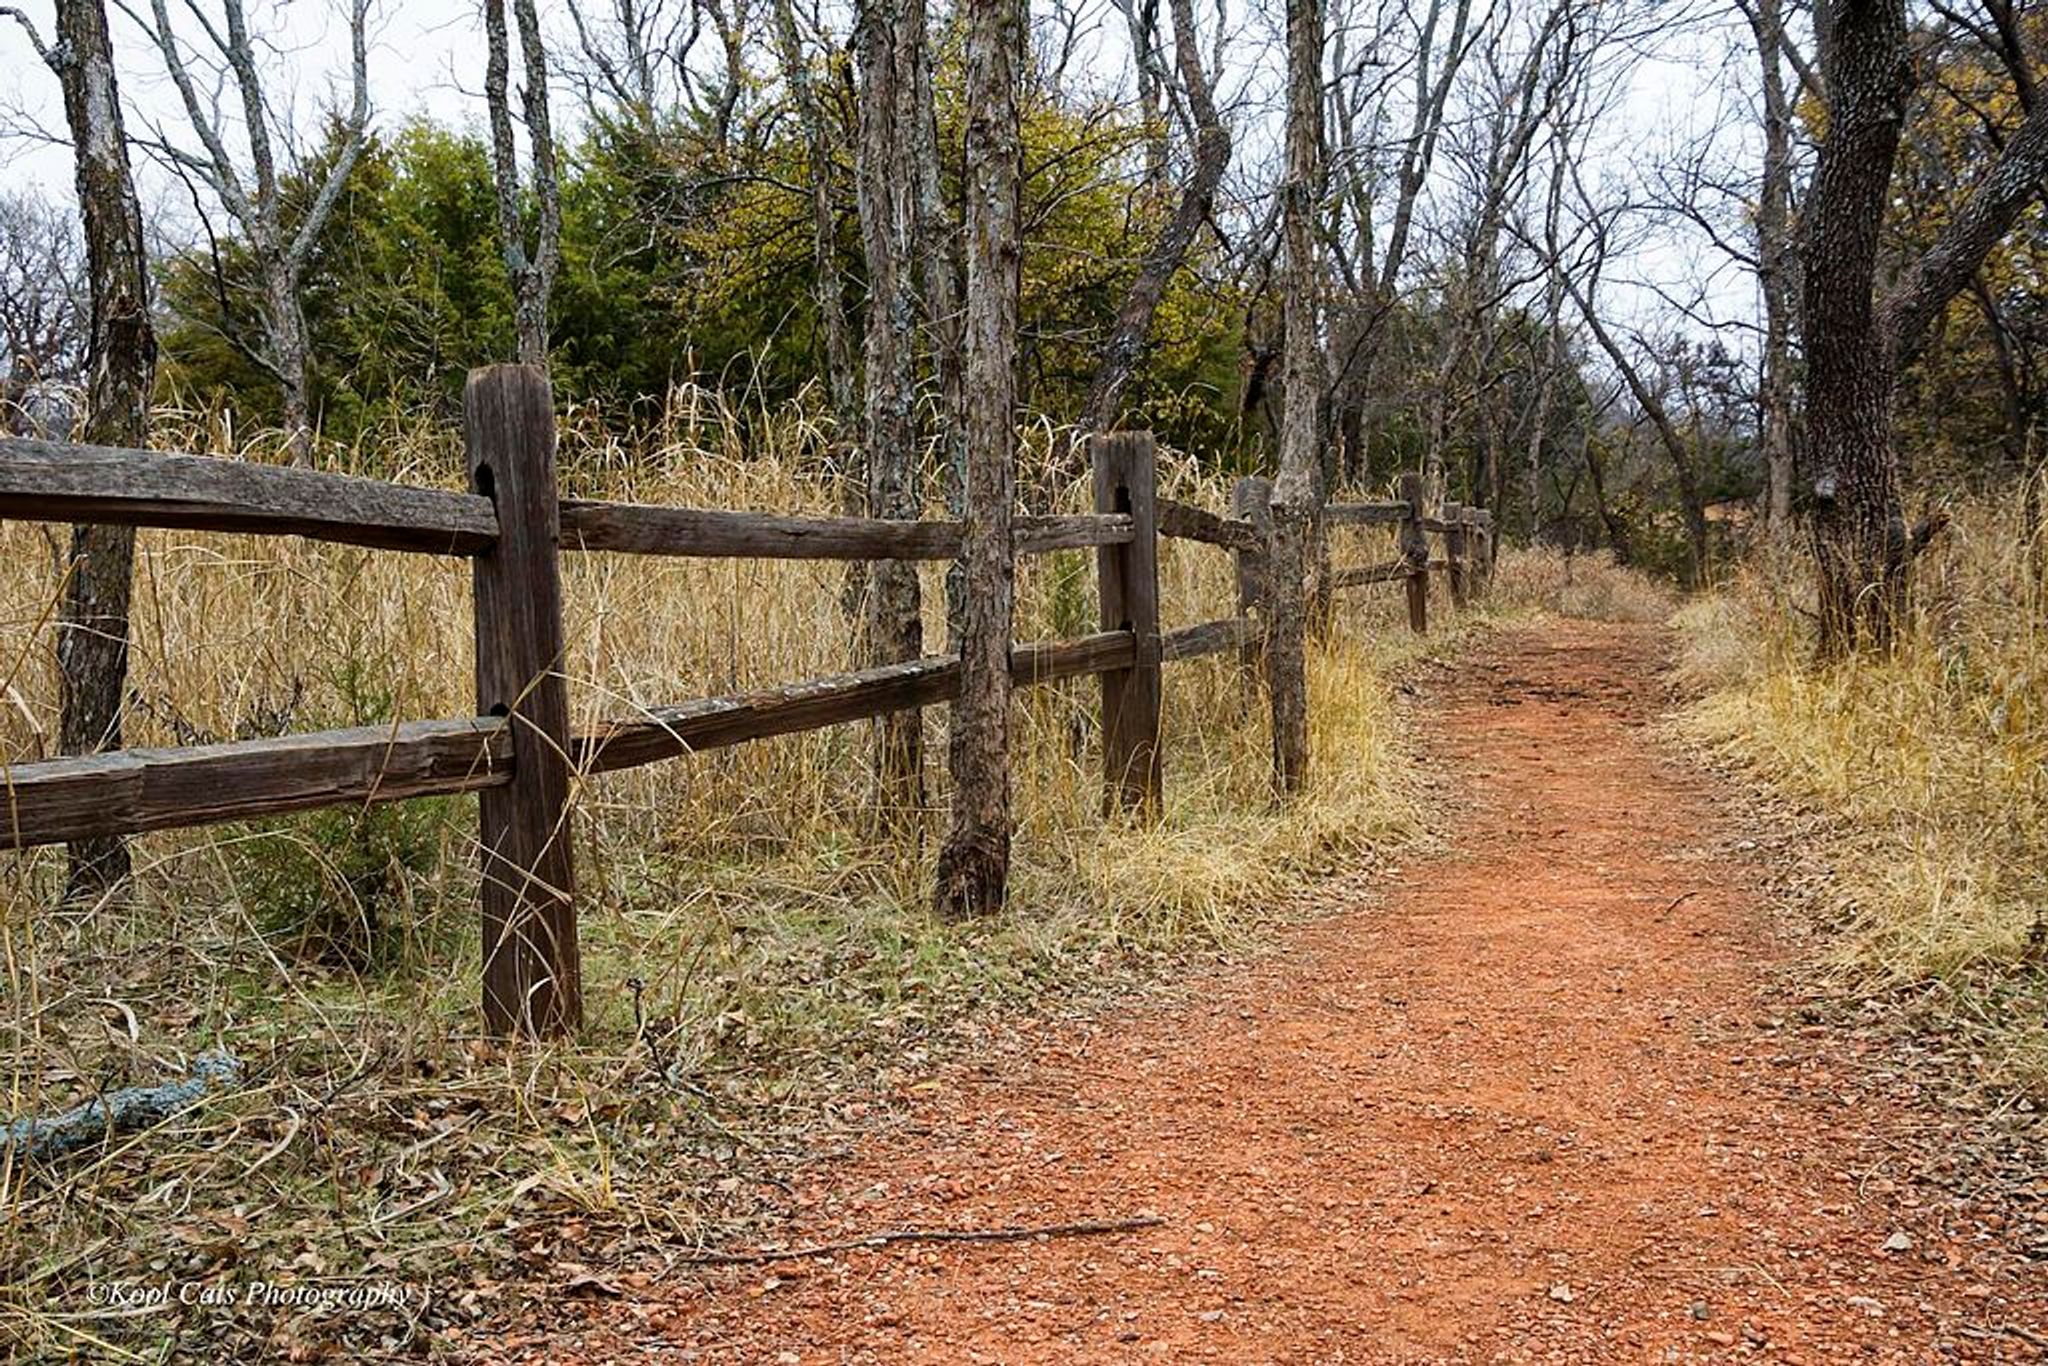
[
  {"x": 1928, "y": 766},
  {"x": 761, "y": 969},
  {"x": 1544, "y": 578}
]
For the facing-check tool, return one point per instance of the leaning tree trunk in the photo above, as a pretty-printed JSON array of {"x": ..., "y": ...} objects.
[
  {"x": 893, "y": 629},
  {"x": 92, "y": 640},
  {"x": 1691, "y": 499},
  {"x": 1126, "y": 341},
  {"x": 975, "y": 862},
  {"x": 1859, "y": 524},
  {"x": 1619, "y": 543},
  {"x": 1291, "y": 556}
]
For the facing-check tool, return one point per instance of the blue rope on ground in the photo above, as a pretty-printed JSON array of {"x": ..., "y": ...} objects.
[{"x": 129, "y": 1108}]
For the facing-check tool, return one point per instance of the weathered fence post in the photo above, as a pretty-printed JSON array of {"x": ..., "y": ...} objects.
[
  {"x": 532, "y": 971},
  {"x": 1481, "y": 541},
  {"x": 1128, "y": 578},
  {"x": 1251, "y": 500},
  {"x": 1456, "y": 554},
  {"x": 1415, "y": 550}
]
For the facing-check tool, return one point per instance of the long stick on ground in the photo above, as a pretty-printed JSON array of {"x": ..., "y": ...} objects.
[{"x": 925, "y": 1235}]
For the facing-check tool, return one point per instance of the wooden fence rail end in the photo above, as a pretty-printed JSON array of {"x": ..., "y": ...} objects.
[{"x": 53, "y": 481}]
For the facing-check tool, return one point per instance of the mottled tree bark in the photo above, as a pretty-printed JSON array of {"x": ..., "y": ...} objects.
[
  {"x": 936, "y": 232},
  {"x": 887, "y": 189},
  {"x": 1859, "y": 525},
  {"x": 1945, "y": 269},
  {"x": 284, "y": 324},
  {"x": 532, "y": 273},
  {"x": 975, "y": 861},
  {"x": 1291, "y": 557},
  {"x": 1854, "y": 347},
  {"x": 92, "y": 639}
]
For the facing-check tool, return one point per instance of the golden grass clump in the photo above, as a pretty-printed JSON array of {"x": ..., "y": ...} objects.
[
  {"x": 760, "y": 963},
  {"x": 1547, "y": 578},
  {"x": 1927, "y": 764}
]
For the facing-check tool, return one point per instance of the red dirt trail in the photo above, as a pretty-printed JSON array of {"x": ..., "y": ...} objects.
[{"x": 1530, "y": 1099}]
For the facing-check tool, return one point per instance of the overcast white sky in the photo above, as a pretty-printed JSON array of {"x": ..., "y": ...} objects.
[
  {"x": 423, "y": 53},
  {"x": 427, "y": 58}
]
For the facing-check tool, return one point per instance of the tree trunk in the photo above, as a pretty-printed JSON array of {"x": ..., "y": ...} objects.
[
  {"x": 1692, "y": 502},
  {"x": 1141, "y": 25},
  {"x": 1554, "y": 353},
  {"x": 1358, "y": 385},
  {"x": 1290, "y": 560},
  {"x": 1775, "y": 270},
  {"x": 975, "y": 861},
  {"x": 1618, "y": 541},
  {"x": 935, "y": 232},
  {"x": 887, "y": 190},
  {"x": 829, "y": 285},
  {"x": 92, "y": 639},
  {"x": 532, "y": 274},
  {"x": 1859, "y": 524},
  {"x": 284, "y": 321},
  {"x": 1854, "y": 348},
  {"x": 1212, "y": 158},
  {"x": 1539, "y": 429},
  {"x": 253, "y": 195}
]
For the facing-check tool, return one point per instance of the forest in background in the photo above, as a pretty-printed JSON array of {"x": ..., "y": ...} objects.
[{"x": 1484, "y": 236}]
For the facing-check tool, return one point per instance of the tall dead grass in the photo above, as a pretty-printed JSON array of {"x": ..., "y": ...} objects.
[
  {"x": 760, "y": 967},
  {"x": 1592, "y": 587},
  {"x": 1927, "y": 764}
]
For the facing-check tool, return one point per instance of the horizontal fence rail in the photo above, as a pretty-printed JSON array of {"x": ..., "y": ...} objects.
[
  {"x": 1191, "y": 523},
  {"x": 1365, "y": 514},
  {"x": 48, "y": 481},
  {"x": 1357, "y": 576},
  {"x": 666, "y": 732},
  {"x": 522, "y": 754},
  {"x": 638, "y": 529},
  {"x": 131, "y": 791},
  {"x": 135, "y": 791}
]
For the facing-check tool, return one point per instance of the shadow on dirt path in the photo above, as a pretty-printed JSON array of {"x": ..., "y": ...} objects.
[{"x": 1529, "y": 1101}]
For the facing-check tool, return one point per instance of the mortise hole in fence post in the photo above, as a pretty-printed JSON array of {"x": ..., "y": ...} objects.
[
  {"x": 1457, "y": 565},
  {"x": 1127, "y": 577},
  {"x": 532, "y": 969},
  {"x": 1415, "y": 550}
]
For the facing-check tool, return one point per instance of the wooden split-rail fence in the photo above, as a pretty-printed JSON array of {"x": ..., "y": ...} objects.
[{"x": 518, "y": 753}]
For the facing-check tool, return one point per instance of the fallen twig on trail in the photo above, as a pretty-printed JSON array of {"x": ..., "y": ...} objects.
[
  {"x": 1678, "y": 901},
  {"x": 924, "y": 1235}
]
